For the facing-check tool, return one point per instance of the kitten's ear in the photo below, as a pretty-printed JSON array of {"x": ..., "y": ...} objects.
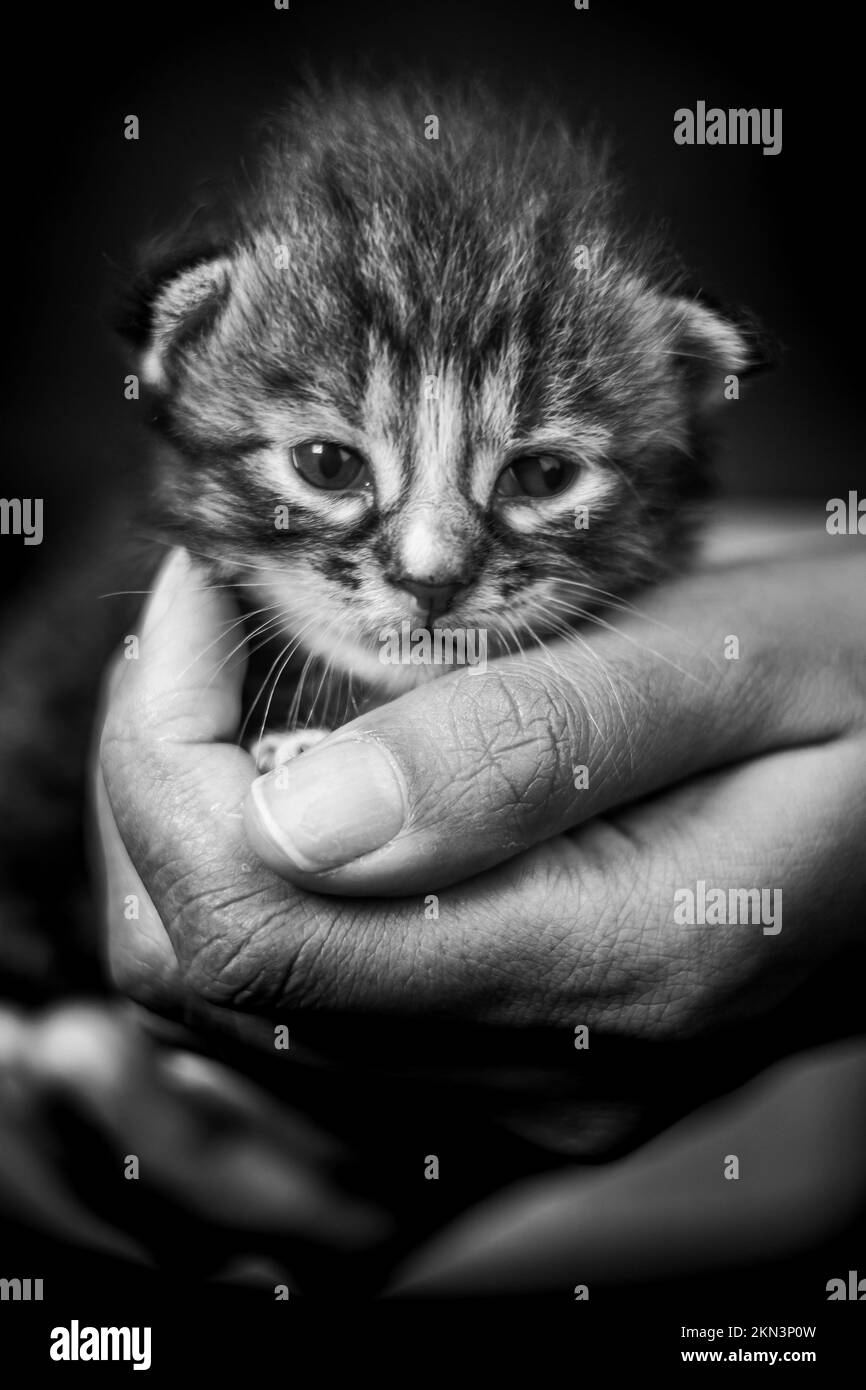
[
  {"x": 169, "y": 308},
  {"x": 710, "y": 345}
]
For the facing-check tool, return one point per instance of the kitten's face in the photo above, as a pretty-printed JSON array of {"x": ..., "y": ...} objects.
[{"x": 402, "y": 393}]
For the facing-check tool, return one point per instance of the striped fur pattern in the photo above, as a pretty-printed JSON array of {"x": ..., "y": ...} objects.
[{"x": 426, "y": 302}]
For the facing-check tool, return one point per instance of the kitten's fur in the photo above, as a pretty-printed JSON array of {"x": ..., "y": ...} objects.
[{"x": 406, "y": 259}]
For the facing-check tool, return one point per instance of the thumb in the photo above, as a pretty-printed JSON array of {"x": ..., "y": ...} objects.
[{"x": 467, "y": 771}]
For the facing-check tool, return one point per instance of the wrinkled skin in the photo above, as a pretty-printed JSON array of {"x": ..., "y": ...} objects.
[
  {"x": 745, "y": 773},
  {"x": 565, "y": 921}
]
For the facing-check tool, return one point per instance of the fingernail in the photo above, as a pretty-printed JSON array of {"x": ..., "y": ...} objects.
[{"x": 331, "y": 805}]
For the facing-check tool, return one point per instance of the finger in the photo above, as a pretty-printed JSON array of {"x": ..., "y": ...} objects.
[
  {"x": 140, "y": 957},
  {"x": 176, "y": 708},
  {"x": 582, "y": 929},
  {"x": 467, "y": 771},
  {"x": 141, "y": 960},
  {"x": 197, "y": 1134},
  {"x": 259, "y": 1166},
  {"x": 34, "y": 1181},
  {"x": 174, "y": 712},
  {"x": 173, "y": 777},
  {"x": 245, "y": 937},
  {"x": 187, "y": 678}
]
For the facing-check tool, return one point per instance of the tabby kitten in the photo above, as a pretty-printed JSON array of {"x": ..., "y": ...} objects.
[{"x": 420, "y": 370}]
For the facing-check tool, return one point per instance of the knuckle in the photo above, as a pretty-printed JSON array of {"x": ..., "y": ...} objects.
[
  {"x": 212, "y": 920},
  {"x": 219, "y": 964},
  {"x": 240, "y": 947}
]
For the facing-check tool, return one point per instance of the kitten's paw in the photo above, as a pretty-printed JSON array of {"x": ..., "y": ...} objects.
[{"x": 275, "y": 750}]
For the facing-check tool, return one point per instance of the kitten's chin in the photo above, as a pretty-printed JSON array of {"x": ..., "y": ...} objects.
[
  {"x": 394, "y": 666},
  {"x": 365, "y": 664}
]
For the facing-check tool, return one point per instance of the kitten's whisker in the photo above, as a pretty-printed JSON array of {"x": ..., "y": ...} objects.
[
  {"x": 295, "y": 712},
  {"x": 196, "y": 589},
  {"x": 225, "y": 630},
  {"x": 290, "y": 646},
  {"x": 637, "y": 612},
  {"x": 597, "y": 621},
  {"x": 612, "y": 463},
  {"x": 285, "y": 651},
  {"x": 312, "y": 657},
  {"x": 342, "y": 634},
  {"x": 246, "y": 640},
  {"x": 335, "y": 630},
  {"x": 127, "y": 593},
  {"x": 322, "y": 679},
  {"x": 288, "y": 656},
  {"x": 545, "y": 666},
  {"x": 614, "y": 692},
  {"x": 523, "y": 653},
  {"x": 610, "y": 599},
  {"x": 512, "y": 631},
  {"x": 573, "y": 636}
]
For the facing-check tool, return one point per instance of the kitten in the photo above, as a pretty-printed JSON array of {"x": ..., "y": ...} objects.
[{"x": 479, "y": 399}]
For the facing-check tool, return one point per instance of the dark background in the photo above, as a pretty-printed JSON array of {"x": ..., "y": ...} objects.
[{"x": 776, "y": 233}]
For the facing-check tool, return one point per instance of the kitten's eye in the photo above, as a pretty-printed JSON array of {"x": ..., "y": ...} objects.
[
  {"x": 329, "y": 466},
  {"x": 535, "y": 475}
]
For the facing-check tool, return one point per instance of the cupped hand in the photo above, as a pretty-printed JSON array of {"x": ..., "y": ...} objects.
[{"x": 537, "y": 826}]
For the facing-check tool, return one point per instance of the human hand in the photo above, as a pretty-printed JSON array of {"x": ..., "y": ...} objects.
[
  {"x": 557, "y": 909},
  {"x": 112, "y": 1143}
]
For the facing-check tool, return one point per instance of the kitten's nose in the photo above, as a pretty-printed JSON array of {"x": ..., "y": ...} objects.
[{"x": 433, "y": 599}]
